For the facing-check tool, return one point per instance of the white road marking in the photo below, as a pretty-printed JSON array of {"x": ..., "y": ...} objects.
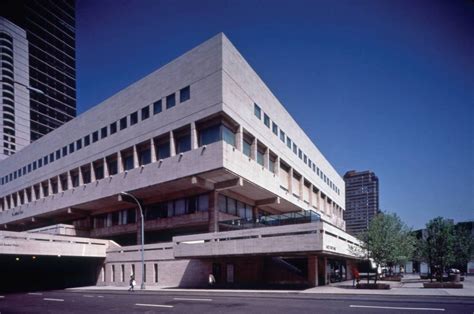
[
  {"x": 52, "y": 299},
  {"x": 100, "y": 296},
  {"x": 87, "y": 296},
  {"x": 190, "y": 299},
  {"x": 399, "y": 308},
  {"x": 2, "y": 296},
  {"x": 35, "y": 293},
  {"x": 153, "y": 305}
]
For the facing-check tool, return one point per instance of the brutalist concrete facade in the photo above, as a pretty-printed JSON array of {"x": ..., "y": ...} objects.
[{"x": 206, "y": 147}]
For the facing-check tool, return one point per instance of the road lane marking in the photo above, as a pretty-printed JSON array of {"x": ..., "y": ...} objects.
[
  {"x": 2, "y": 297},
  {"x": 399, "y": 308},
  {"x": 87, "y": 296},
  {"x": 191, "y": 299},
  {"x": 35, "y": 293},
  {"x": 52, "y": 299},
  {"x": 100, "y": 296},
  {"x": 153, "y": 305}
]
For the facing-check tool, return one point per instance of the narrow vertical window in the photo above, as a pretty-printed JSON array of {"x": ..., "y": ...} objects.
[
  {"x": 257, "y": 111},
  {"x": 170, "y": 101},
  {"x": 184, "y": 94},
  {"x": 157, "y": 107}
]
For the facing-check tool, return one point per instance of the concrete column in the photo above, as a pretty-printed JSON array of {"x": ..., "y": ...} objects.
[
  {"x": 60, "y": 186},
  {"x": 301, "y": 188},
  {"x": 313, "y": 271},
  {"x": 239, "y": 139},
  {"x": 106, "y": 168},
  {"x": 290, "y": 181},
  {"x": 152, "y": 150},
  {"x": 326, "y": 273},
  {"x": 172, "y": 144},
  {"x": 69, "y": 180},
  {"x": 277, "y": 167},
  {"x": 253, "y": 149},
  {"x": 194, "y": 136},
  {"x": 136, "y": 163},
  {"x": 213, "y": 212},
  {"x": 266, "y": 159},
  {"x": 50, "y": 187},
  {"x": 81, "y": 177},
  {"x": 18, "y": 198},
  {"x": 93, "y": 178},
  {"x": 33, "y": 193},
  {"x": 119, "y": 162},
  {"x": 41, "y": 192},
  {"x": 310, "y": 194}
]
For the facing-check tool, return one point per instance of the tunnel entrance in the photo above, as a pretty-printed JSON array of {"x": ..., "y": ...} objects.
[{"x": 21, "y": 273}]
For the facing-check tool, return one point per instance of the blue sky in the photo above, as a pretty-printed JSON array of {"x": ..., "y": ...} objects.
[{"x": 380, "y": 85}]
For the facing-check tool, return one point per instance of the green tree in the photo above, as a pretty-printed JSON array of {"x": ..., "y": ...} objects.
[
  {"x": 388, "y": 241},
  {"x": 438, "y": 245}
]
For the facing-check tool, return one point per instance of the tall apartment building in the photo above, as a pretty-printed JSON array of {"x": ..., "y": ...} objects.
[
  {"x": 47, "y": 99},
  {"x": 229, "y": 183},
  {"x": 362, "y": 200}
]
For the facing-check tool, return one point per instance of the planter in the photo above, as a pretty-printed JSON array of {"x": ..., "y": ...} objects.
[
  {"x": 374, "y": 286},
  {"x": 392, "y": 278},
  {"x": 443, "y": 285}
]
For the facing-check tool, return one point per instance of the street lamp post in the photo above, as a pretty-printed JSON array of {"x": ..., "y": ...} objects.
[{"x": 142, "y": 232}]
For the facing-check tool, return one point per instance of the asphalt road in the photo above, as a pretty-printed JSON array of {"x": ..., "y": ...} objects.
[{"x": 211, "y": 302}]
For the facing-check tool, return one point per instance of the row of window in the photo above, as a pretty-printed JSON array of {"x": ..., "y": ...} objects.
[
  {"x": 132, "y": 273},
  {"x": 292, "y": 146},
  {"x": 123, "y": 123}
]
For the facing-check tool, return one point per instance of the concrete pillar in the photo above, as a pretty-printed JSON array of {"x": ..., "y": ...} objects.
[
  {"x": 277, "y": 166},
  {"x": 326, "y": 271},
  {"x": 213, "y": 212},
  {"x": 106, "y": 168},
  {"x": 69, "y": 180},
  {"x": 50, "y": 187},
  {"x": 152, "y": 150},
  {"x": 290, "y": 181},
  {"x": 18, "y": 198},
  {"x": 253, "y": 149},
  {"x": 33, "y": 193},
  {"x": 301, "y": 183},
  {"x": 194, "y": 136},
  {"x": 266, "y": 159},
  {"x": 136, "y": 163},
  {"x": 310, "y": 194},
  {"x": 239, "y": 139},
  {"x": 172, "y": 144},
  {"x": 41, "y": 192},
  {"x": 119, "y": 162},
  {"x": 81, "y": 177},
  {"x": 313, "y": 271},
  {"x": 93, "y": 178}
]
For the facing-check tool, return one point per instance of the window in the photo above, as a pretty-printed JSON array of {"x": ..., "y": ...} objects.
[
  {"x": 64, "y": 151},
  {"x": 228, "y": 136},
  {"x": 87, "y": 141},
  {"x": 274, "y": 128},
  {"x": 145, "y": 112},
  {"x": 40, "y": 164},
  {"x": 95, "y": 136},
  {"x": 257, "y": 111},
  {"x": 305, "y": 158},
  {"x": 71, "y": 148},
  {"x": 282, "y": 136},
  {"x": 163, "y": 150},
  {"x": 260, "y": 157},
  {"x": 157, "y": 107},
  {"x": 288, "y": 142},
  {"x": 183, "y": 144},
  {"x": 144, "y": 157},
  {"x": 134, "y": 118},
  {"x": 247, "y": 148},
  {"x": 103, "y": 132},
  {"x": 266, "y": 120},
  {"x": 58, "y": 155},
  {"x": 300, "y": 154},
  {"x": 216, "y": 133},
  {"x": 295, "y": 149},
  {"x": 170, "y": 101},
  {"x": 184, "y": 94},
  {"x": 128, "y": 162},
  {"x": 113, "y": 128},
  {"x": 123, "y": 123},
  {"x": 79, "y": 144}
]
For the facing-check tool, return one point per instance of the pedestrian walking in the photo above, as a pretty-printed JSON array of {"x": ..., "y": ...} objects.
[
  {"x": 355, "y": 276},
  {"x": 133, "y": 283}
]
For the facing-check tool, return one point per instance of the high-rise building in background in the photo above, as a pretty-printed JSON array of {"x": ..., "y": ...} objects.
[
  {"x": 37, "y": 68},
  {"x": 362, "y": 200}
]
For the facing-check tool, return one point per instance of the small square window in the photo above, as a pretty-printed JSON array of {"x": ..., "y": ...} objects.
[
  {"x": 282, "y": 136},
  {"x": 275, "y": 128},
  {"x": 51, "y": 157},
  {"x": 40, "y": 163},
  {"x": 58, "y": 154},
  {"x": 71, "y": 148},
  {"x": 123, "y": 123},
  {"x": 295, "y": 149},
  {"x": 95, "y": 136},
  {"x": 79, "y": 144},
  {"x": 134, "y": 118},
  {"x": 145, "y": 112},
  {"x": 34, "y": 166},
  {"x": 304, "y": 159},
  {"x": 64, "y": 151},
  {"x": 266, "y": 120},
  {"x": 45, "y": 160},
  {"x": 87, "y": 140},
  {"x": 103, "y": 132},
  {"x": 184, "y": 94},
  {"x": 170, "y": 101},
  {"x": 157, "y": 107},
  {"x": 300, "y": 154},
  {"x": 113, "y": 128},
  {"x": 288, "y": 142},
  {"x": 257, "y": 111}
]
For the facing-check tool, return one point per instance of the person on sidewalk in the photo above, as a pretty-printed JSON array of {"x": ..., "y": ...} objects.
[
  {"x": 355, "y": 276},
  {"x": 132, "y": 284}
]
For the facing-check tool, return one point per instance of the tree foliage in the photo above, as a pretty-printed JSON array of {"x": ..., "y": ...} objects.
[{"x": 388, "y": 241}]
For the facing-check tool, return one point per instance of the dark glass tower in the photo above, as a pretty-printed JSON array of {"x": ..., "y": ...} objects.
[
  {"x": 50, "y": 31},
  {"x": 362, "y": 200}
]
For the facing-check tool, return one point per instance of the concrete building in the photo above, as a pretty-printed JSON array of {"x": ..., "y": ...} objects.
[
  {"x": 229, "y": 182},
  {"x": 362, "y": 200},
  {"x": 38, "y": 68}
]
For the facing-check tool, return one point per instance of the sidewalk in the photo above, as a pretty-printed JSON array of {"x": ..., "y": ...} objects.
[{"x": 410, "y": 285}]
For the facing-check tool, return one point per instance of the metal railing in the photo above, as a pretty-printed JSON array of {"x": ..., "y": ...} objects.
[{"x": 293, "y": 218}]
